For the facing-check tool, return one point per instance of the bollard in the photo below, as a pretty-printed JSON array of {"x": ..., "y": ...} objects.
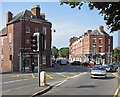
[{"x": 42, "y": 78}]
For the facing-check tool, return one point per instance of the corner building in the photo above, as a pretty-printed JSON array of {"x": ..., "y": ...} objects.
[
  {"x": 15, "y": 40},
  {"x": 94, "y": 45}
]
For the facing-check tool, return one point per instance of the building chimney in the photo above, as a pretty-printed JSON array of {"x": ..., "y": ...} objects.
[
  {"x": 36, "y": 10},
  {"x": 89, "y": 31},
  {"x": 8, "y": 17},
  {"x": 43, "y": 15},
  {"x": 101, "y": 28}
]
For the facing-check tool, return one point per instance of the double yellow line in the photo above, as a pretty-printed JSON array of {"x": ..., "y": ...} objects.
[{"x": 117, "y": 93}]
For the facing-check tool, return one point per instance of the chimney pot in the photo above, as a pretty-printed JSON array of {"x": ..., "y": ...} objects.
[
  {"x": 36, "y": 10},
  {"x": 8, "y": 17},
  {"x": 89, "y": 31},
  {"x": 43, "y": 15},
  {"x": 101, "y": 28}
]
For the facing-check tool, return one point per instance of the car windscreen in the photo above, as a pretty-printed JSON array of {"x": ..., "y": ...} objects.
[{"x": 99, "y": 68}]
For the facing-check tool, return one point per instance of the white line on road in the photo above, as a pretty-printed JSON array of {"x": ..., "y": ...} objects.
[
  {"x": 14, "y": 81},
  {"x": 60, "y": 83}
]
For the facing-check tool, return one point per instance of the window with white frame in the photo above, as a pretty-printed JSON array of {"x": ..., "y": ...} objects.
[
  {"x": 44, "y": 44},
  {"x": 36, "y": 28},
  {"x": 1, "y": 52},
  {"x": 44, "y": 31},
  {"x": 108, "y": 41},
  {"x": 1, "y": 63},
  {"x": 94, "y": 40},
  {"x": 10, "y": 37},
  {"x": 44, "y": 59},
  {"x": 2, "y": 41},
  {"x": 27, "y": 29},
  {"x": 108, "y": 48}
]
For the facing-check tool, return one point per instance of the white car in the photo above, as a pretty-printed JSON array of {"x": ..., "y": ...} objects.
[
  {"x": 63, "y": 62},
  {"x": 98, "y": 72}
]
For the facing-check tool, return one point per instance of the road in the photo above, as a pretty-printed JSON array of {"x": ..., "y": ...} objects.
[
  {"x": 13, "y": 81},
  {"x": 75, "y": 80},
  {"x": 84, "y": 85}
]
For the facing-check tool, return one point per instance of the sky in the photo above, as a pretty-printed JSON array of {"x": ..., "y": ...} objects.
[{"x": 66, "y": 21}]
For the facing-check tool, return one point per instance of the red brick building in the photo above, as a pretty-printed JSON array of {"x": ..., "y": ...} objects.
[
  {"x": 15, "y": 39},
  {"x": 94, "y": 45}
]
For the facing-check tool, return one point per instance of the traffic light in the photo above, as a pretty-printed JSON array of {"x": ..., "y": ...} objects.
[
  {"x": 94, "y": 56},
  {"x": 35, "y": 42},
  {"x": 55, "y": 55},
  {"x": 41, "y": 42}
]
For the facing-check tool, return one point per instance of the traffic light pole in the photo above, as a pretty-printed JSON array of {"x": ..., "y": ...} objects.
[{"x": 38, "y": 69}]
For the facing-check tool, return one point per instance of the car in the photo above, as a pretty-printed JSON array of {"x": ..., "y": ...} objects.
[
  {"x": 98, "y": 72},
  {"x": 108, "y": 67},
  {"x": 112, "y": 67},
  {"x": 76, "y": 63},
  {"x": 85, "y": 63},
  {"x": 63, "y": 62}
]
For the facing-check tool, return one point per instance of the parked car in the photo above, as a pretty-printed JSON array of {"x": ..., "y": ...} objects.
[
  {"x": 63, "y": 62},
  {"x": 91, "y": 63},
  {"x": 76, "y": 63},
  {"x": 98, "y": 72},
  {"x": 85, "y": 63},
  {"x": 112, "y": 67}
]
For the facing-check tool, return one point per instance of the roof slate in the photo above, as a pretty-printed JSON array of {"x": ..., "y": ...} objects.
[
  {"x": 27, "y": 15},
  {"x": 97, "y": 32},
  {"x": 3, "y": 31}
]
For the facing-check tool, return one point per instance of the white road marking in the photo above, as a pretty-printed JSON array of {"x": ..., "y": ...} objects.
[
  {"x": 60, "y": 83},
  {"x": 14, "y": 81}
]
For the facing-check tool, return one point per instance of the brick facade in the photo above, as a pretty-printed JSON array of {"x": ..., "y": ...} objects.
[
  {"x": 16, "y": 27},
  {"x": 82, "y": 48}
]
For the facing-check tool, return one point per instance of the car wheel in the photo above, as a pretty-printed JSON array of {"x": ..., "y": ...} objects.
[{"x": 105, "y": 77}]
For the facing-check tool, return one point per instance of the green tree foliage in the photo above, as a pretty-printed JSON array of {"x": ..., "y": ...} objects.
[
  {"x": 54, "y": 50},
  {"x": 64, "y": 52},
  {"x": 116, "y": 54},
  {"x": 110, "y": 11}
]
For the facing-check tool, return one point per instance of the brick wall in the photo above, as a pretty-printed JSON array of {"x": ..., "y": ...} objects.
[
  {"x": 7, "y": 64},
  {"x": 87, "y": 46}
]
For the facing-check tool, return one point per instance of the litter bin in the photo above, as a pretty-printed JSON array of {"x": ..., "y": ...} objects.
[{"x": 42, "y": 78}]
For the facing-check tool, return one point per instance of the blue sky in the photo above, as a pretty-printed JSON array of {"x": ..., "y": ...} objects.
[{"x": 66, "y": 21}]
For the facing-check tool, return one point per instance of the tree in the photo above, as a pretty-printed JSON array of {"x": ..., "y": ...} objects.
[
  {"x": 110, "y": 11},
  {"x": 64, "y": 52},
  {"x": 116, "y": 54},
  {"x": 54, "y": 50}
]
